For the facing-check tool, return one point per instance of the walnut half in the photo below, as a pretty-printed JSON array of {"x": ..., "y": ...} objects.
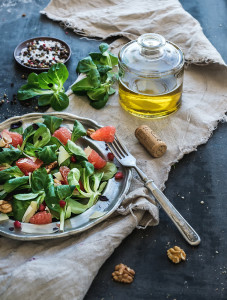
[
  {"x": 90, "y": 131},
  {"x": 51, "y": 166},
  {"x": 123, "y": 274},
  {"x": 176, "y": 254},
  {"x": 5, "y": 207}
]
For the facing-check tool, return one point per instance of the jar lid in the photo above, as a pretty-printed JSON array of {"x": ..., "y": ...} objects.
[{"x": 151, "y": 55}]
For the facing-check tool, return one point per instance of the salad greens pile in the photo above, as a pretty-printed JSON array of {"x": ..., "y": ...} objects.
[
  {"x": 26, "y": 192},
  {"x": 96, "y": 84},
  {"x": 48, "y": 86}
]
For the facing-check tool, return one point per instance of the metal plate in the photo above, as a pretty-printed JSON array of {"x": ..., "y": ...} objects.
[{"x": 115, "y": 191}]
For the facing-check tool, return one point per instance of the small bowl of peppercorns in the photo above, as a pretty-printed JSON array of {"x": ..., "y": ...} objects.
[{"x": 41, "y": 53}]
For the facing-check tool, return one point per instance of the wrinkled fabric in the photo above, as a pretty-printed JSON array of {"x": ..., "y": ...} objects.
[
  {"x": 74, "y": 261},
  {"x": 131, "y": 19}
]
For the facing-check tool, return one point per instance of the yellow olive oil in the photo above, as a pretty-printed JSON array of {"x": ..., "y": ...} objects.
[{"x": 150, "y": 101}]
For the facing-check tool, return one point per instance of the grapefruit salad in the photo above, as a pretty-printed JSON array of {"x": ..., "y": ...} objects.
[{"x": 46, "y": 176}]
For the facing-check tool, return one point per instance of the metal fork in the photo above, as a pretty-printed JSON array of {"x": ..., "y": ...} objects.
[{"x": 126, "y": 159}]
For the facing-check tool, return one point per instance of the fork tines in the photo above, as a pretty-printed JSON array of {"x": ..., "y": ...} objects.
[{"x": 118, "y": 149}]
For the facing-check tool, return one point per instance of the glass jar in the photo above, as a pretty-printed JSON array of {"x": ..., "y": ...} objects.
[{"x": 150, "y": 76}]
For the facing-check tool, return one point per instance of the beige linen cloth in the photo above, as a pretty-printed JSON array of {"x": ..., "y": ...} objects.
[{"x": 65, "y": 268}]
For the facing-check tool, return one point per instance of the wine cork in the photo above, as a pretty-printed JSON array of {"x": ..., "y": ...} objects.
[{"x": 154, "y": 145}]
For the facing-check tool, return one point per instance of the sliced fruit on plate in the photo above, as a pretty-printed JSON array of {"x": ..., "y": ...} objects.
[
  {"x": 105, "y": 134},
  {"x": 13, "y": 138},
  {"x": 64, "y": 173},
  {"x": 27, "y": 165},
  {"x": 94, "y": 158},
  {"x": 63, "y": 134},
  {"x": 41, "y": 218}
]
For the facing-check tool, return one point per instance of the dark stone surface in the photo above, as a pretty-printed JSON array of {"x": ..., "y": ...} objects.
[{"x": 199, "y": 176}]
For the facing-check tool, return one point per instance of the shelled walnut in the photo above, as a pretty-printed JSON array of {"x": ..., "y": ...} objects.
[
  {"x": 5, "y": 207},
  {"x": 51, "y": 166},
  {"x": 176, "y": 254},
  {"x": 123, "y": 274},
  {"x": 90, "y": 131}
]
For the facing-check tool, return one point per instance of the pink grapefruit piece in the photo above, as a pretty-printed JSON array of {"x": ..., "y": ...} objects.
[
  {"x": 105, "y": 134},
  {"x": 41, "y": 218},
  {"x": 94, "y": 158},
  {"x": 27, "y": 165},
  {"x": 17, "y": 138},
  {"x": 63, "y": 134}
]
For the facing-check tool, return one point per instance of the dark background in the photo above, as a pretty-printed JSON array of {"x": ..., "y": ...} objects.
[{"x": 199, "y": 176}]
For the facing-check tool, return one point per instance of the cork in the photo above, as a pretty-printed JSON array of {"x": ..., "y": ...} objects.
[{"x": 154, "y": 145}]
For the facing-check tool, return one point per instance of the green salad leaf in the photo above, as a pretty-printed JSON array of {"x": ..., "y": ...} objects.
[
  {"x": 15, "y": 183},
  {"x": 41, "y": 137},
  {"x": 108, "y": 171},
  {"x": 39, "y": 180},
  {"x": 54, "y": 141},
  {"x": 64, "y": 191},
  {"x": 47, "y": 85},
  {"x": 30, "y": 149},
  {"x": 19, "y": 208},
  {"x": 29, "y": 132},
  {"x": 73, "y": 177},
  {"x": 48, "y": 154},
  {"x": 85, "y": 65},
  {"x": 52, "y": 122},
  {"x": 76, "y": 150},
  {"x": 59, "y": 101},
  {"x": 78, "y": 131},
  {"x": 25, "y": 197},
  {"x": 9, "y": 173},
  {"x": 99, "y": 76},
  {"x": 9, "y": 155}
]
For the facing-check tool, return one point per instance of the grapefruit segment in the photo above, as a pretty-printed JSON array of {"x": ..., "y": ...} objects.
[
  {"x": 13, "y": 138},
  {"x": 94, "y": 158},
  {"x": 41, "y": 218},
  {"x": 27, "y": 165},
  {"x": 63, "y": 134},
  {"x": 105, "y": 134}
]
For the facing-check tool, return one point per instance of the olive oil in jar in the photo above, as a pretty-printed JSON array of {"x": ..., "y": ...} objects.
[
  {"x": 150, "y": 76},
  {"x": 148, "y": 104}
]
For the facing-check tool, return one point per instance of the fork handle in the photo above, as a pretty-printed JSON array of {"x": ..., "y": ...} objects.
[{"x": 185, "y": 229}]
